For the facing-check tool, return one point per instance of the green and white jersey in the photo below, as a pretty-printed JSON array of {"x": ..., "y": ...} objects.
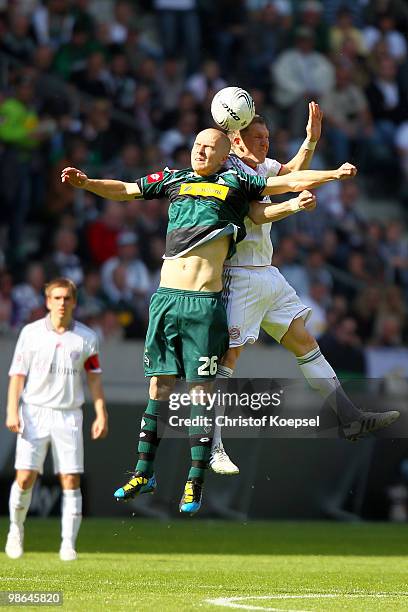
[{"x": 202, "y": 208}]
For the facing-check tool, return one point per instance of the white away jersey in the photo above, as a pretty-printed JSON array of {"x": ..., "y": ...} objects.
[
  {"x": 53, "y": 363},
  {"x": 256, "y": 249}
]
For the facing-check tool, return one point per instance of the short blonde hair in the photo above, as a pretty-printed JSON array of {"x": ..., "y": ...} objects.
[
  {"x": 65, "y": 283},
  {"x": 257, "y": 120}
]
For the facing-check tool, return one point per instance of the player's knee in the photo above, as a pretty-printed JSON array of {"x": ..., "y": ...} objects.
[
  {"x": 298, "y": 340},
  {"x": 161, "y": 387},
  {"x": 231, "y": 357},
  {"x": 70, "y": 481},
  {"x": 26, "y": 479}
]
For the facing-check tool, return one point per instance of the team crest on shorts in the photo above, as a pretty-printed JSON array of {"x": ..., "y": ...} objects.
[
  {"x": 146, "y": 360},
  {"x": 234, "y": 333}
]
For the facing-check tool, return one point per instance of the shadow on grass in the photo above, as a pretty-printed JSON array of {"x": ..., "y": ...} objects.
[{"x": 197, "y": 536}]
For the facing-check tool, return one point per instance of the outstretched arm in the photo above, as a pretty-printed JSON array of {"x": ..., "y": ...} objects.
[
  {"x": 106, "y": 188},
  {"x": 261, "y": 212},
  {"x": 304, "y": 156},
  {"x": 306, "y": 179}
]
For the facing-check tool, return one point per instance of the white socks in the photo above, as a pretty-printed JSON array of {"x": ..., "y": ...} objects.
[
  {"x": 321, "y": 377},
  {"x": 19, "y": 502},
  {"x": 222, "y": 372},
  {"x": 71, "y": 516}
]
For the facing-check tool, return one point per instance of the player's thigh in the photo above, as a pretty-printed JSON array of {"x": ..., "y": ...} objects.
[
  {"x": 162, "y": 352},
  {"x": 204, "y": 332},
  {"x": 285, "y": 307},
  {"x": 33, "y": 440},
  {"x": 245, "y": 296},
  {"x": 67, "y": 442}
]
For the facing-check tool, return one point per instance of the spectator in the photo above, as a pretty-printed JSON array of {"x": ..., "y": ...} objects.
[
  {"x": 300, "y": 73},
  {"x": 171, "y": 84},
  {"x": 179, "y": 28},
  {"x": 316, "y": 269},
  {"x": 311, "y": 16},
  {"x": 18, "y": 41},
  {"x": 318, "y": 300},
  {"x": 344, "y": 30},
  {"x": 387, "y": 101},
  {"x": 64, "y": 261},
  {"x": 28, "y": 296},
  {"x": 128, "y": 165},
  {"x": 385, "y": 29},
  {"x": 348, "y": 220},
  {"x": 90, "y": 297},
  {"x": 93, "y": 79},
  {"x": 342, "y": 348},
  {"x": 72, "y": 56},
  {"x": 7, "y": 306},
  {"x": 388, "y": 332},
  {"x": 182, "y": 135},
  {"x": 286, "y": 259},
  {"x": 208, "y": 78},
  {"x": 21, "y": 132},
  {"x": 123, "y": 20},
  {"x": 395, "y": 253},
  {"x": 349, "y": 123},
  {"x": 135, "y": 287},
  {"x": 101, "y": 234},
  {"x": 365, "y": 309},
  {"x": 53, "y": 23}
]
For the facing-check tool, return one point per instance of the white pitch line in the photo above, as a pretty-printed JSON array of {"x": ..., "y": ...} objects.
[{"x": 230, "y": 602}]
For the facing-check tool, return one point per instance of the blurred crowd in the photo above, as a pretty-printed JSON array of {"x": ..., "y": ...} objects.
[{"x": 119, "y": 89}]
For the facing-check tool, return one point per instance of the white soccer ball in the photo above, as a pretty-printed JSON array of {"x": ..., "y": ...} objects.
[{"x": 232, "y": 108}]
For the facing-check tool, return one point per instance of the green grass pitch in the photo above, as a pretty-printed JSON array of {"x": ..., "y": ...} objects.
[{"x": 136, "y": 564}]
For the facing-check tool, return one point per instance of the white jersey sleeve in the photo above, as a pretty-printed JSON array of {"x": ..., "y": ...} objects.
[
  {"x": 270, "y": 167},
  {"x": 22, "y": 357},
  {"x": 91, "y": 363}
]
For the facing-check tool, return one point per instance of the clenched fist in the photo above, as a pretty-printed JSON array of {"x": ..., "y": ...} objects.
[
  {"x": 346, "y": 171},
  {"x": 74, "y": 177},
  {"x": 306, "y": 200}
]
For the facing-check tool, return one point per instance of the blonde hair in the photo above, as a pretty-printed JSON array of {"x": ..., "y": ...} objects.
[
  {"x": 257, "y": 120},
  {"x": 65, "y": 283}
]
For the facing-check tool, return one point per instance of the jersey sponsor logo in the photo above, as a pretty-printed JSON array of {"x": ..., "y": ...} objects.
[
  {"x": 205, "y": 189},
  {"x": 234, "y": 333},
  {"x": 154, "y": 178}
]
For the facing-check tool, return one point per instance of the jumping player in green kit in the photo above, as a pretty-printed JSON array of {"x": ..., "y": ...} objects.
[{"x": 188, "y": 332}]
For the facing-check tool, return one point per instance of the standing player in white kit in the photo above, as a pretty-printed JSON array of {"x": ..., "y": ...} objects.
[
  {"x": 256, "y": 295},
  {"x": 45, "y": 396}
]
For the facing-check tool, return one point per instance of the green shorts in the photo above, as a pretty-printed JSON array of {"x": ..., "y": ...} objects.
[{"x": 187, "y": 334}]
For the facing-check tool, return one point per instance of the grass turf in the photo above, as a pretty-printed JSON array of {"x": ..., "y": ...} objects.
[{"x": 150, "y": 565}]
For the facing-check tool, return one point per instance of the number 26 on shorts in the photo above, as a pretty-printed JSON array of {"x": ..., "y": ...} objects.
[{"x": 209, "y": 367}]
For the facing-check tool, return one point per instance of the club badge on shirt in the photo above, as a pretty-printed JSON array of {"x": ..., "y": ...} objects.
[{"x": 154, "y": 178}]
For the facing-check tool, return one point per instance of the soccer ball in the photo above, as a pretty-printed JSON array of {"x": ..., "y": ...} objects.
[{"x": 232, "y": 108}]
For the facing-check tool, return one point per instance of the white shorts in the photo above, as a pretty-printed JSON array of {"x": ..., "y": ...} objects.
[
  {"x": 259, "y": 298},
  {"x": 44, "y": 426}
]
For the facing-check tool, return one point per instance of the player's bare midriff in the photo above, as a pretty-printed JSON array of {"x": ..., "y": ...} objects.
[{"x": 198, "y": 270}]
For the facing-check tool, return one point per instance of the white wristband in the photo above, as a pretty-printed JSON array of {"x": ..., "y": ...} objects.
[{"x": 310, "y": 145}]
